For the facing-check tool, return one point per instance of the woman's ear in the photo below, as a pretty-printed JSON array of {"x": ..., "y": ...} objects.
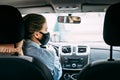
[{"x": 37, "y": 35}]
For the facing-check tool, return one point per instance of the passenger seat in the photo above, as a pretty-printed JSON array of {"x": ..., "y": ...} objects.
[{"x": 106, "y": 69}]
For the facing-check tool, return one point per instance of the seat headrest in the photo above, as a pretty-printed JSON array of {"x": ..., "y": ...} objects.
[
  {"x": 111, "y": 31},
  {"x": 11, "y": 25}
]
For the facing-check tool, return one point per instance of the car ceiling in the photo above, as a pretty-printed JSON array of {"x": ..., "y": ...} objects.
[{"x": 63, "y": 5}]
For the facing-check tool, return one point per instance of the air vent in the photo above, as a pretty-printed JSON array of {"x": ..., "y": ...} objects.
[
  {"x": 66, "y": 49},
  {"x": 82, "y": 49}
]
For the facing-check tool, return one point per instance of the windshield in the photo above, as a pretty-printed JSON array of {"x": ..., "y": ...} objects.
[
  {"x": 90, "y": 28},
  {"x": 88, "y": 31}
]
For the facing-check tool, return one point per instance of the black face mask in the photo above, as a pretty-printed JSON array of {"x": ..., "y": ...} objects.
[{"x": 45, "y": 38}]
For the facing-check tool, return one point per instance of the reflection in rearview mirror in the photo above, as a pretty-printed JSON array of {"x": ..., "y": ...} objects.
[{"x": 69, "y": 19}]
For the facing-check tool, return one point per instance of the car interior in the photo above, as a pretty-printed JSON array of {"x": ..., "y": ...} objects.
[{"x": 84, "y": 34}]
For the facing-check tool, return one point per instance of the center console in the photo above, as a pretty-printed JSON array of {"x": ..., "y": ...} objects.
[{"x": 73, "y": 58}]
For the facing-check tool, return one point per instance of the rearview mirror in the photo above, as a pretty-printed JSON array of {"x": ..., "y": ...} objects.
[{"x": 69, "y": 19}]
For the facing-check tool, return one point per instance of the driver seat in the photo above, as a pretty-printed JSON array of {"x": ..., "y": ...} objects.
[
  {"x": 106, "y": 69},
  {"x": 12, "y": 65}
]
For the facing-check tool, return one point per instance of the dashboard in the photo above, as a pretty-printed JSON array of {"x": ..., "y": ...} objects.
[{"x": 73, "y": 58}]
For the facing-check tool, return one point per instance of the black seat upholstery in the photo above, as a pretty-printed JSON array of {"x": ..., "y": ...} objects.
[
  {"x": 109, "y": 69},
  {"x": 17, "y": 67},
  {"x": 22, "y": 68}
]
